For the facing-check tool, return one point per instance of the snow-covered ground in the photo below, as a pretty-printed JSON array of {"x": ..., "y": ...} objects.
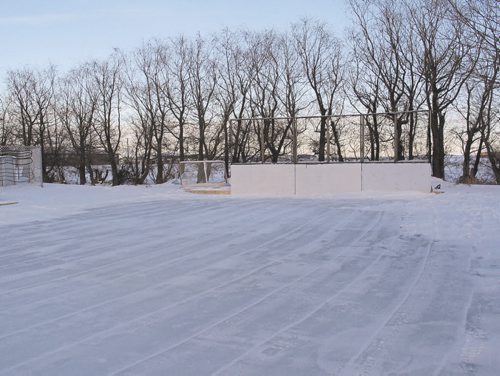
[
  {"x": 454, "y": 166},
  {"x": 155, "y": 281}
]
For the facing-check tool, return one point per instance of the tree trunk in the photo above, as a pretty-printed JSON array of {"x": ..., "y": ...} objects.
[
  {"x": 160, "y": 166},
  {"x": 411, "y": 135},
  {"x": 475, "y": 169},
  {"x": 372, "y": 145},
  {"x": 89, "y": 169},
  {"x": 466, "y": 170},
  {"x": 322, "y": 139},
  {"x": 437, "y": 127},
  {"x": 181, "y": 142},
  {"x": 400, "y": 149},
  {"x": 114, "y": 169},
  {"x": 45, "y": 177},
  {"x": 494, "y": 159},
  {"x": 159, "y": 163},
  {"x": 81, "y": 169},
  {"x": 201, "y": 142},
  {"x": 337, "y": 142}
]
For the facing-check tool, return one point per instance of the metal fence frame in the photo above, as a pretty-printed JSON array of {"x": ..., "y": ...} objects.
[
  {"x": 18, "y": 163},
  {"x": 205, "y": 169},
  {"x": 362, "y": 126}
]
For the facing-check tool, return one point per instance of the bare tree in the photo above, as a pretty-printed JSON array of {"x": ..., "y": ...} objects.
[
  {"x": 50, "y": 134},
  {"x": 23, "y": 111},
  {"x": 146, "y": 89},
  {"x": 202, "y": 84},
  {"x": 176, "y": 62},
  {"x": 272, "y": 134},
  {"x": 143, "y": 121},
  {"x": 385, "y": 45},
  {"x": 478, "y": 115},
  {"x": 31, "y": 96},
  {"x": 481, "y": 113},
  {"x": 363, "y": 94},
  {"x": 292, "y": 83},
  {"x": 76, "y": 110},
  {"x": 481, "y": 17},
  {"x": 410, "y": 51},
  {"x": 444, "y": 66},
  {"x": 240, "y": 132},
  {"x": 321, "y": 55},
  {"x": 227, "y": 90},
  {"x": 107, "y": 76},
  {"x": 6, "y": 127},
  {"x": 492, "y": 144}
]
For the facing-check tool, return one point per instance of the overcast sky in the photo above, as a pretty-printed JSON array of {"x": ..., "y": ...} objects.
[{"x": 36, "y": 33}]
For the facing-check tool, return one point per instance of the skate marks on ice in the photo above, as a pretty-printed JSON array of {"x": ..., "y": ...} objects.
[
  {"x": 90, "y": 298},
  {"x": 246, "y": 287}
]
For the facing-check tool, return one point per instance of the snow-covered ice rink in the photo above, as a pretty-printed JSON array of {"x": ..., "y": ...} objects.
[{"x": 152, "y": 281}]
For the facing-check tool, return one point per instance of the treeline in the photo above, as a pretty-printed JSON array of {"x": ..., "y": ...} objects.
[{"x": 174, "y": 98}]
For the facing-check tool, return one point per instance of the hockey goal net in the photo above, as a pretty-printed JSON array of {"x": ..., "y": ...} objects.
[
  {"x": 203, "y": 175},
  {"x": 20, "y": 164}
]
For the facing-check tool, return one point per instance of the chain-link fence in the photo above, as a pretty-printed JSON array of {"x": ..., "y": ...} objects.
[{"x": 336, "y": 138}]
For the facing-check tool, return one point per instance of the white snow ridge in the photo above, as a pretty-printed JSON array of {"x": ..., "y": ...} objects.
[{"x": 153, "y": 281}]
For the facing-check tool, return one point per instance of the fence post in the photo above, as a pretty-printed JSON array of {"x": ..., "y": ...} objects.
[
  {"x": 396, "y": 137},
  {"x": 362, "y": 138},
  {"x": 294, "y": 123},
  {"x": 429, "y": 145},
  {"x": 228, "y": 147},
  {"x": 262, "y": 151},
  {"x": 328, "y": 136}
]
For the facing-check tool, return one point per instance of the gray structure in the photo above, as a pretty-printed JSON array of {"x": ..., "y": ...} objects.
[{"x": 20, "y": 164}]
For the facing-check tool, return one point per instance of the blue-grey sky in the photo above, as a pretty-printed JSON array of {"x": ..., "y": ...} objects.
[{"x": 36, "y": 33}]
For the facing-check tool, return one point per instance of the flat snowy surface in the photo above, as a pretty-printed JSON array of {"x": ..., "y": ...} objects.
[{"x": 153, "y": 281}]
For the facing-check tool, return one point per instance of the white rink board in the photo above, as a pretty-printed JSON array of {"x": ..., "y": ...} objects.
[
  {"x": 263, "y": 180},
  {"x": 327, "y": 179},
  {"x": 315, "y": 180},
  {"x": 396, "y": 177}
]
